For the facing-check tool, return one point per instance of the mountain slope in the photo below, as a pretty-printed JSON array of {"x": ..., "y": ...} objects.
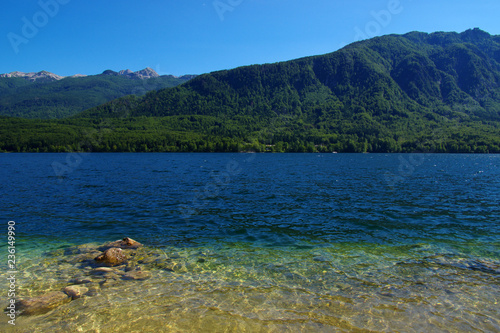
[
  {"x": 45, "y": 95},
  {"x": 443, "y": 73},
  {"x": 399, "y": 93}
]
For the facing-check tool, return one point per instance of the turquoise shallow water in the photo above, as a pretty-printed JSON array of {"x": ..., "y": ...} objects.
[{"x": 263, "y": 243}]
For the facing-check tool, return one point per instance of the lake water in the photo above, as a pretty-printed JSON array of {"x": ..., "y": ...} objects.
[{"x": 261, "y": 242}]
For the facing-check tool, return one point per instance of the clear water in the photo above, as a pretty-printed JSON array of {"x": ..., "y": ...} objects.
[{"x": 262, "y": 242}]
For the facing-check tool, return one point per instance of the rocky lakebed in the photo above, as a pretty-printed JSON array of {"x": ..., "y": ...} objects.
[
  {"x": 125, "y": 285},
  {"x": 99, "y": 267}
]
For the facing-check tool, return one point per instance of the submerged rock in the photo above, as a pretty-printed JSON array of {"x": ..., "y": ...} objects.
[
  {"x": 112, "y": 257},
  {"x": 83, "y": 257},
  {"x": 80, "y": 249},
  {"x": 75, "y": 291},
  {"x": 148, "y": 258},
  {"x": 453, "y": 261},
  {"x": 485, "y": 266},
  {"x": 80, "y": 280},
  {"x": 112, "y": 276},
  {"x": 89, "y": 268},
  {"x": 102, "y": 270},
  {"x": 137, "y": 275},
  {"x": 94, "y": 289},
  {"x": 42, "y": 304},
  {"x": 108, "y": 283}
]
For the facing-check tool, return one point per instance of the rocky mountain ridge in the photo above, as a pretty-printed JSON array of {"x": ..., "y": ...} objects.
[
  {"x": 46, "y": 95},
  {"x": 42, "y": 76},
  {"x": 46, "y": 77}
]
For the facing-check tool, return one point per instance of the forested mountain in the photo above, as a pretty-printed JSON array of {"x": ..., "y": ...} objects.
[
  {"x": 46, "y": 96},
  {"x": 443, "y": 73},
  {"x": 436, "y": 92}
]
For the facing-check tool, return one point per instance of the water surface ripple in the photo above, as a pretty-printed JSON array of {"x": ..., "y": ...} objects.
[{"x": 264, "y": 242}]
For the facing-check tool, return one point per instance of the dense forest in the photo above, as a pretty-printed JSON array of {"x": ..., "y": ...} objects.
[
  {"x": 417, "y": 92},
  {"x": 197, "y": 133},
  {"x": 69, "y": 96}
]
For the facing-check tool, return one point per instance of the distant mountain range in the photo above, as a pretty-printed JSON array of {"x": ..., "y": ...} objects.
[
  {"x": 436, "y": 92},
  {"x": 44, "y": 76},
  {"x": 46, "y": 95}
]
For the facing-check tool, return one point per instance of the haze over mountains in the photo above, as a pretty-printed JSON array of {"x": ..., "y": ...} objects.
[{"x": 412, "y": 92}]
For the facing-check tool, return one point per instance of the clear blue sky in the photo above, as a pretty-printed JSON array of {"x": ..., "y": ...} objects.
[{"x": 199, "y": 36}]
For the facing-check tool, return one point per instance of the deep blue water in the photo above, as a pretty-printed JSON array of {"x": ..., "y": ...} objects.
[
  {"x": 266, "y": 199},
  {"x": 262, "y": 242}
]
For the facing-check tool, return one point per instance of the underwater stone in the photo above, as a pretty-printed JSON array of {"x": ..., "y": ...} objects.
[
  {"x": 80, "y": 280},
  {"x": 80, "y": 249},
  {"x": 42, "y": 304},
  {"x": 148, "y": 259},
  {"x": 93, "y": 289},
  {"x": 137, "y": 275},
  {"x": 103, "y": 269},
  {"x": 129, "y": 268},
  {"x": 75, "y": 291},
  {"x": 83, "y": 257},
  {"x": 111, "y": 276},
  {"x": 485, "y": 266},
  {"x": 111, "y": 257},
  {"x": 108, "y": 283},
  {"x": 168, "y": 266}
]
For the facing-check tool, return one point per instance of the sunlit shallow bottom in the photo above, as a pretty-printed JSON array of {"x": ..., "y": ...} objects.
[{"x": 240, "y": 287}]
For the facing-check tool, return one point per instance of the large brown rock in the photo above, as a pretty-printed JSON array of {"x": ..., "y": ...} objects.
[
  {"x": 42, "y": 304},
  {"x": 125, "y": 243},
  {"x": 112, "y": 257}
]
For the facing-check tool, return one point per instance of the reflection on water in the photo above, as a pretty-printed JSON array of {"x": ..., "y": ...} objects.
[{"x": 239, "y": 287}]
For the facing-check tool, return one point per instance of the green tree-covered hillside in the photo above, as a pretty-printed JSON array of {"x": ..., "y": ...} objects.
[
  {"x": 435, "y": 92},
  {"x": 71, "y": 95}
]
